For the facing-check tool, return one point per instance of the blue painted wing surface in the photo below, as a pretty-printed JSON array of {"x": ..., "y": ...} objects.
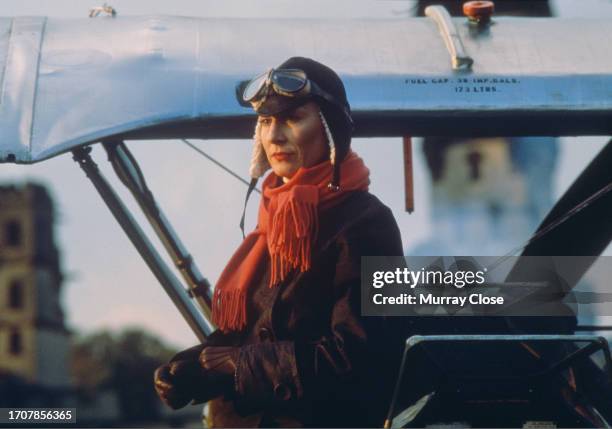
[{"x": 66, "y": 83}]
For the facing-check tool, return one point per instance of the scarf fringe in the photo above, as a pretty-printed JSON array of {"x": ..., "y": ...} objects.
[
  {"x": 233, "y": 303},
  {"x": 291, "y": 233}
]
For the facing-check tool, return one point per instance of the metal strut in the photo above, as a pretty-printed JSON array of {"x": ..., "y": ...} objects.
[
  {"x": 129, "y": 173},
  {"x": 173, "y": 287}
]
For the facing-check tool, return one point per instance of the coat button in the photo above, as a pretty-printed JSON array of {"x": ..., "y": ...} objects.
[
  {"x": 281, "y": 391},
  {"x": 265, "y": 334}
]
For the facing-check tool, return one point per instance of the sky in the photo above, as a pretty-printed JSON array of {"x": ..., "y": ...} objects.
[{"x": 107, "y": 283}]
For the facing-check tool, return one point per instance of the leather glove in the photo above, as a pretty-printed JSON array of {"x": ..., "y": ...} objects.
[
  {"x": 220, "y": 359},
  {"x": 175, "y": 382},
  {"x": 184, "y": 379},
  {"x": 262, "y": 373}
]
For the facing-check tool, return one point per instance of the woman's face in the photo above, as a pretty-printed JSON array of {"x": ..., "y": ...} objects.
[{"x": 293, "y": 139}]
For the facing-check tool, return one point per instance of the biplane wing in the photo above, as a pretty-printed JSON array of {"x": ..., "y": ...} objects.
[{"x": 66, "y": 83}]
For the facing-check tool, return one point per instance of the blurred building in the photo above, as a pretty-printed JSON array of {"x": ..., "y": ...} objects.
[
  {"x": 35, "y": 345},
  {"x": 488, "y": 195},
  {"x": 34, "y": 340}
]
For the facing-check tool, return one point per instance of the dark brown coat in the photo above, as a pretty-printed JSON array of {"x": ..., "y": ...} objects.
[{"x": 308, "y": 357}]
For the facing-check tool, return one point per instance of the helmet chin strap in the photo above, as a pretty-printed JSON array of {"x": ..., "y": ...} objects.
[{"x": 246, "y": 200}]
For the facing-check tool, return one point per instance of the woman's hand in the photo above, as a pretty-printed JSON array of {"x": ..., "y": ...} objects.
[
  {"x": 220, "y": 359},
  {"x": 181, "y": 381},
  {"x": 175, "y": 382}
]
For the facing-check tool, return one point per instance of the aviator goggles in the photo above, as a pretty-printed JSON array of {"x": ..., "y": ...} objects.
[{"x": 291, "y": 83}]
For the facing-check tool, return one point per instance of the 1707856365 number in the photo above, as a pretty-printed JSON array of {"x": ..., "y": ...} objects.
[{"x": 37, "y": 415}]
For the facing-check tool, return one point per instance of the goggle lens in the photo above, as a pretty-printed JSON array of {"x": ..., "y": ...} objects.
[
  {"x": 289, "y": 81},
  {"x": 254, "y": 87}
]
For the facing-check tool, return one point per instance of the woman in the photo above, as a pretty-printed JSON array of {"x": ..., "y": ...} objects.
[{"x": 292, "y": 348}]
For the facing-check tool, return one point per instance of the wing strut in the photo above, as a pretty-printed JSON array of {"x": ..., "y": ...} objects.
[
  {"x": 199, "y": 324},
  {"x": 129, "y": 173}
]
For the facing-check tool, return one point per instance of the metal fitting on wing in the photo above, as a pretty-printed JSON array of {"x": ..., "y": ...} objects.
[
  {"x": 479, "y": 12},
  {"x": 105, "y": 8}
]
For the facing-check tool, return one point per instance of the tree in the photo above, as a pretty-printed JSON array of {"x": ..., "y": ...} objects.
[{"x": 123, "y": 362}]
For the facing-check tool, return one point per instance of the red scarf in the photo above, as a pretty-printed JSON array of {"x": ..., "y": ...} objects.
[{"x": 287, "y": 227}]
